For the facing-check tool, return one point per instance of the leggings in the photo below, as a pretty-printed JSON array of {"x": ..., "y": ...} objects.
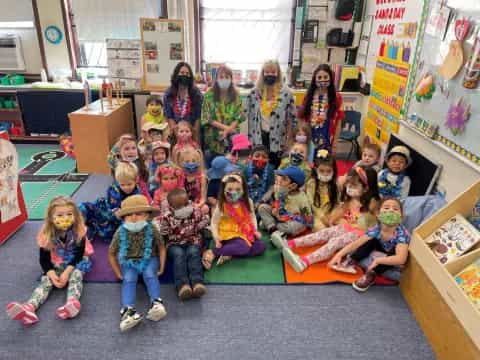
[
  {"x": 367, "y": 248},
  {"x": 239, "y": 247},
  {"x": 336, "y": 238}
]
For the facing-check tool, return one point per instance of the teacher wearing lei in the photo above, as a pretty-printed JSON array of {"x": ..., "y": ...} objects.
[{"x": 270, "y": 110}]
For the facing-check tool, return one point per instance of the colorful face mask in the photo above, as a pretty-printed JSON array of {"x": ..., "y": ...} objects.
[
  {"x": 154, "y": 109},
  {"x": 190, "y": 167},
  {"x": 169, "y": 185},
  {"x": 233, "y": 196},
  {"x": 184, "y": 212},
  {"x": 135, "y": 226},
  {"x": 323, "y": 84},
  {"x": 63, "y": 223},
  {"x": 390, "y": 218},
  {"x": 260, "y": 163},
  {"x": 185, "y": 137}
]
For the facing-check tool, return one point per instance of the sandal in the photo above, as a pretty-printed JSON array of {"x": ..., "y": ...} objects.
[
  {"x": 207, "y": 259},
  {"x": 223, "y": 259}
]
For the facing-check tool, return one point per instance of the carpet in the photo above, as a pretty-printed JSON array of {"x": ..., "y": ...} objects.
[{"x": 45, "y": 172}]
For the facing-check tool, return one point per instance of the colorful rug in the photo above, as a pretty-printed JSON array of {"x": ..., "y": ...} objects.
[{"x": 45, "y": 172}]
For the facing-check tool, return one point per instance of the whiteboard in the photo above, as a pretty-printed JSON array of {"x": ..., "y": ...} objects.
[
  {"x": 163, "y": 46},
  {"x": 433, "y": 50}
]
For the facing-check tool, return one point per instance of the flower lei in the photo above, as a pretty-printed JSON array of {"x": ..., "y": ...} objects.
[
  {"x": 244, "y": 222},
  {"x": 319, "y": 107},
  {"x": 386, "y": 188},
  {"x": 138, "y": 265},
  {"x": 286, "y": 215},
  {"x": 182, "y": 107},
  {"x": 267, "y": 108},
  {"x": 254, "y": 191}
]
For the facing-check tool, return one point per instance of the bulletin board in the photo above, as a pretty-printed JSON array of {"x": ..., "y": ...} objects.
[
  {"x": 163, "y": 46},
  {"x": 459, "y": 135}
]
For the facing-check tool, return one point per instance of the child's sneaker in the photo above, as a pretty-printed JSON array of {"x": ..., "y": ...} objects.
[
  {"x": 278, "y": 239},
  {"x": 199, "y": 290},
  {"x": 130, "y": 318},
  {"x": 365, "y": 281},
  {"x": 346, "y": 266},
  {"x": 293, "y": 259},
  {"x": 157, "y": 310},
  {"x": 185, "y": 292},
  {"x": 22, "y": 312},
  {"x": 69, "y": 310}
]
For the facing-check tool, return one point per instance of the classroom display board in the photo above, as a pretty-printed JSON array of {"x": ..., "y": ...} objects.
[
  {"x": 124, "y": 61},
  {"x": 163, "y": 46},
  {"x": 446, "y": 104}
]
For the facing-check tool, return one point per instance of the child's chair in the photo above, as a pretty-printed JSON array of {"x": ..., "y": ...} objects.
[{"x": 351, "y": 131}]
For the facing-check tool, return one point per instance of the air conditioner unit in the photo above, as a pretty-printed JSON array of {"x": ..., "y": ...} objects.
[{"x": 11, "y": 55}]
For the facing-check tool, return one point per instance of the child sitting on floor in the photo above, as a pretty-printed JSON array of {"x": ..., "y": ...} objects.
[
  {"x": 389, "y": 236},
  {"x": 354, "y": 216},
  {"x": 290, "y": 213},
  {"x": 184, "y": 135},
  {"x": 137, "y": 249},
  {"x": 63, "y": 245},
  {"x": 370, "y": 159},
  {"x": 170, "y": 178},
  {"x": 151, "y": 133},
  {"x": 240, "y": 152},
  {"x": 260, "y": 175},
  {"x": 322, "y": 189},
  {"x": 219, "y": 168},
  {"x": 234, "y": 224},
  {"x": 160, "y": 156},
  {"x": 180, "y": 226},
  {"x": 298, "y": 157},
  {"x": 393, "y": 180}
]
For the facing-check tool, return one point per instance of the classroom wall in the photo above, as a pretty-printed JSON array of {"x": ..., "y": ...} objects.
[{"x": 21, "y": 10}]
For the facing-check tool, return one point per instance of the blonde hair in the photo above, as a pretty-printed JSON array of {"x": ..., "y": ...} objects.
[
  {"x": 184, "y": 123},
  {"x": 261, "y": 78},
  {"x": 49, "y": 231},
  {"x": 126, "y": 171},
  {"x": 123, "y": 139},
  {"x": 188, "y": 149}
]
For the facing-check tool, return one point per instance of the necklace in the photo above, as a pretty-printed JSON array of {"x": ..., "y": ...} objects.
[
  {"x": 319, "y": 111},
  {"x": 182, "y": 107},
  {"x": 267, "y": 107},
  {"x": 256, "y": 190},
  {"x": 138, "y": 265}
]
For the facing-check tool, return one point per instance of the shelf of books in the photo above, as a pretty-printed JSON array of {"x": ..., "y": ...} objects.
[{"x": 441, "y": 283}]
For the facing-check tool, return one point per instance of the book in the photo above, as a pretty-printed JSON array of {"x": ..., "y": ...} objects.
[
  {"x": 469, "y": 281},
  {"x": 475, "y": 215},
  {"x": 453, "y": 238}
]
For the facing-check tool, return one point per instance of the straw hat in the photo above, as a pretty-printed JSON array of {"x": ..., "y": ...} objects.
[
  {"x": 154, "y": 126},
  {"x": 401, "y": 150},
  {"x": 134, "y": 204}
]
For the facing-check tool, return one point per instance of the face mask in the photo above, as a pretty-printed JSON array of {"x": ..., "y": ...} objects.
[
  {"x": 323, "y": 84},
  {"x": 154, "y": 109},
  {"x": 185, "y": 137},
  {"x": 283, "y": 190},
  {"x": 390, "y": 218},
  {"x": 190, "y": 167},
  {"x": 270, "y": 79},
  {"x": 63, "y": 223},
  {"x": 296, "y": 158},
  {"x": 260, "y": 163},
  {"x": 135, "y": 226},
  {"x": 184, "y": 80},
  {"x": 169, "y": 185},
  {"x": 234, "y": 196},
  {"x": 130, "y": 158},
  {"x": 324, "y": 178},
  {"x": 353, "y": 192},
  {"x": 184, "y": 212},
  {"x": 302, "y": 139},
  {"x": 224, "y": 83}
]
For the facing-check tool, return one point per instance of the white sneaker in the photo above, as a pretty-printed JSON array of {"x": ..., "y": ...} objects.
[
  {"x": 278, "y": 239},
  {"x": 130, "y": 318},
  {"x": 157, "y": 311},
  {"x": 293, "y": 259}
]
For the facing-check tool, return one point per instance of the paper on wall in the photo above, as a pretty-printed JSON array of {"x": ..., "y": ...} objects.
[{"x": 9, "y": 206}]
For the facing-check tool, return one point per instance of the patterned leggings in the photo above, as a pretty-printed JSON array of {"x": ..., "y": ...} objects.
[
  {"x": 336, "y": 238},
  {"x": 41, "y": 292}
]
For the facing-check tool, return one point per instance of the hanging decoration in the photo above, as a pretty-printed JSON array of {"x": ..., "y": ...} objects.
[
  {"x": 425, "y": 88},
  {"x": 472, "y": 67},
  {"x": 457, "y": 116},
  {"x": 455, "y": 58}
]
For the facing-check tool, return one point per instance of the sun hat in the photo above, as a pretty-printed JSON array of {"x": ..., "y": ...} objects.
[
  {"x": 400, "y": 150},
  {"x": 135, "y": 204},
  {"x": 240, "y": 142},
  {"x": 220, "y": 167},
  {"x": 160, "y": 145},
  {"x": 294, "y": 173},
  {"x": 154, "y": 126}
]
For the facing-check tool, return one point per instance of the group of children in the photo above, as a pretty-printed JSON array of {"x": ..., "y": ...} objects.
[{"x": 164, "y": 204}]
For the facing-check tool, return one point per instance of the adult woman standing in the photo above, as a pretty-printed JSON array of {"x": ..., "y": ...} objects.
[
  {"x": 222, "y": 114},
  {"x": 271, "y": 112},
  {"x": 183, "y": 100},
  {"x": 322, "y": 109}
]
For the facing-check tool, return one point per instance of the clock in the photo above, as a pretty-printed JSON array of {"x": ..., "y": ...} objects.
[{"x": 53, "y": 34}]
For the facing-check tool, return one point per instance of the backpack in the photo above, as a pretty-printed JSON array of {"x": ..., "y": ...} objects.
[
  {"x": 344, "y": 9},
  {"x": 336, "y": 37}
]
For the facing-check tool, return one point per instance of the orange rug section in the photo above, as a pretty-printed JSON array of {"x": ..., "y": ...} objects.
[{"x": 318, "y": 273}]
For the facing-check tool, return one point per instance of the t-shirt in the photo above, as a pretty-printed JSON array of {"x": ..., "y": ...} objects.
[
  {"x": 136, "y": 242},
  {"x": 401, "y": 236},
  {"x": 183, "y": 231}
]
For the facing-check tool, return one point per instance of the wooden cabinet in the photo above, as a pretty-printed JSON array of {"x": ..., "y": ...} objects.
[
  {"x": 10, "y": 111},
  {"x": 95, "y": 132}
]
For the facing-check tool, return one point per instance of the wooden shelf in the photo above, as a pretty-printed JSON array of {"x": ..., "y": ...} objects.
[
  {"x": 34, "y": 138},
  {"x": 17, "y": 110}
]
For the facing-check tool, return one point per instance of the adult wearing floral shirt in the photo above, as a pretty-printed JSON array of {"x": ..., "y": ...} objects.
[
  {"x": 183, "y": 100},
  {"x": 222, "y": 114}
]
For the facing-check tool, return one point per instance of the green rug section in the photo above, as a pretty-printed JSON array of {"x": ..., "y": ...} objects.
[
  {"x": 38, "y": 194},
  {"x": 264, "y": 269},
  {"x": 61, "y": 166}
]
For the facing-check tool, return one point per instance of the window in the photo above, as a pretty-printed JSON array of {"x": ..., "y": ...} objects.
[
  {"x": 97, "y": 20},
  {"x": 243, "y": 34}
]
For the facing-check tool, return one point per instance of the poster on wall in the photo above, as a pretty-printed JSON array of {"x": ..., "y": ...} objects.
[
  {"x": 124, "y": 61},
  {"x": 163, "y": 46}
]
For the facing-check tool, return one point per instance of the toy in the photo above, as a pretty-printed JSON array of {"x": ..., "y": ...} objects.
[
  {"x": 425, "y": 88},
  {"x": 66, "y": 144},
  {"x": 458, "y": 114}
]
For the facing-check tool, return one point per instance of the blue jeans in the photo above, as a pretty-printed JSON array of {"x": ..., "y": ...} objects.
[
  {"x": 187, "y": 264},
  {"x": 130, "y": 279}
]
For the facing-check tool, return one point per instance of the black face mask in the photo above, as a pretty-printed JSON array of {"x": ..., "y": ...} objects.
[
  {"x": 270, "y": 79},
  {"x": 296, "y": 158},
  {"x": 184, "y": 80}
]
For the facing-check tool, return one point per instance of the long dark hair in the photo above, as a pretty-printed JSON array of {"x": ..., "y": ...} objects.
[
  {"x": 332, "y": 94},
  {"x": 229, "y": 178},
  {"x": 232, "y": 93},
  {"x": 328, "y": 160},
  {"x": 174, "y": 81},
  {"x": 372, "y": 191}
]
